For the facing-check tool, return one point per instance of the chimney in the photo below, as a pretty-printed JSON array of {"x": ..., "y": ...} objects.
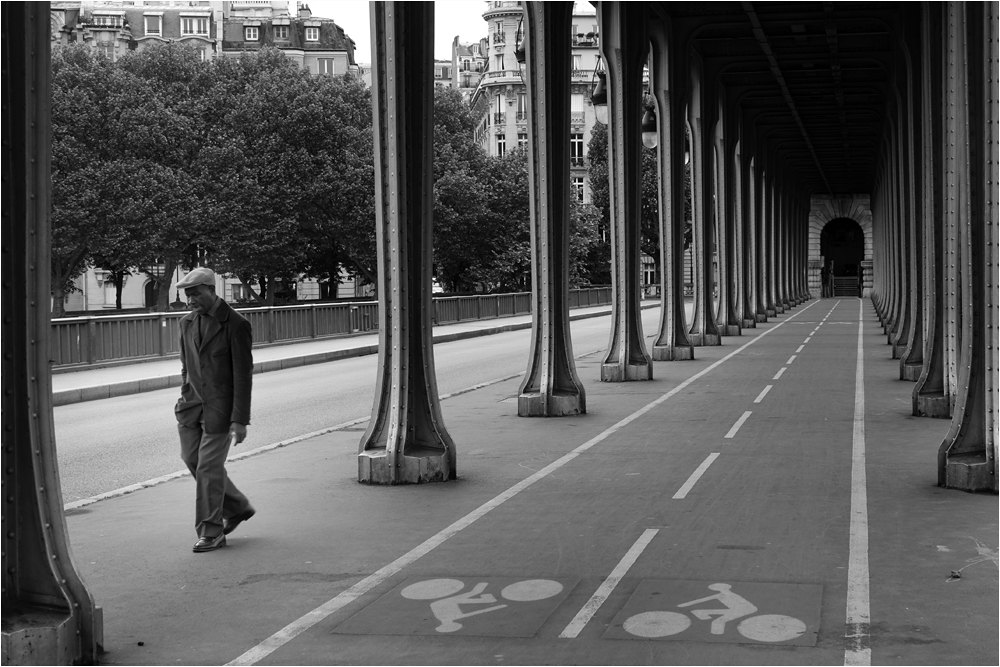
[{"x": 305, "y": 12}]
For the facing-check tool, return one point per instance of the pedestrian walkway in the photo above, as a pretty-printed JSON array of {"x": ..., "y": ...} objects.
[
  {"x": 124, "y": 379},
  {"x": 770, "y": 502}
]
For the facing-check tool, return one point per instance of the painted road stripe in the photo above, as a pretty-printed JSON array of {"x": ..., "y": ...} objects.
[
  {"x": 738, "y": 424},
  {"x": 858, "y": 651},
  {"x": 334, "y": 604},
  {"x": 601, "y": 594},
  {"x": 808, "y": 338},
  {"x": 799, "y": 349},
  {"x": 695, "y": 476},
  {"x": 761, "y": 395},
  {"x": 790, "y": 359},
  {"x": 778, "y": 375}
]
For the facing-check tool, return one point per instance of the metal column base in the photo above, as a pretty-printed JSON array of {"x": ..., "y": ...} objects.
[
  {"x": 898, "y": 350},
  {"x": 749, "y": 324},
  {"x": 968, "y": 472},
  {"x": 673, "y": 353},
  {"x": 44, "y": 637},
  {"x": 762, "y": 317},
  {"x": 705, "y": 340},
  {"x": 550, "y": 405},
  {"x": 910, "y": 372},
  {"x": 770, "y": 312},
  {"x": 932, "y": 405},
  {"x": 730, "y": 330},
  {"x": 416, "y": 466},
  {"x": 626, "y": 373}
]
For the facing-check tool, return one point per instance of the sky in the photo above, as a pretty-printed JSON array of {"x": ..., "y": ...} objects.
[{"x": 451, "y": 17}]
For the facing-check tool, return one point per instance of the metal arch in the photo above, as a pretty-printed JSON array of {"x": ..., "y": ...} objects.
[
  {"x": 406, "y": 441},
  {"x": 551, "y": 387}
]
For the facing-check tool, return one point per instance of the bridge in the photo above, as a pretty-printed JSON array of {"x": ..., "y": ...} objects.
[{"x": 863, "y": 134}]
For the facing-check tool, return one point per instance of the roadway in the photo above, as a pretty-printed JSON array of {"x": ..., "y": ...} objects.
[
  {"x": 142, "y": 445},
  {"x": 769, "y": 502}
]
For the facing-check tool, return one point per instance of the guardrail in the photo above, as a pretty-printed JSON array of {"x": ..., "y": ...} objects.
[{"x": 78, "y": 342}]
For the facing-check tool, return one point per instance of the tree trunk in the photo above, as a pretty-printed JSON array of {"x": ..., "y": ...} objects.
[
  {"x": 270, "y": 289},
  {"x": 58, "y": 300},
  {"x": 163, "y": 285},
  {"x": 119, "y": 284}
]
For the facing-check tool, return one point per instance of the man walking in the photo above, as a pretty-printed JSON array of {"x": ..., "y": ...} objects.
[{"x": 214, "y": 408}]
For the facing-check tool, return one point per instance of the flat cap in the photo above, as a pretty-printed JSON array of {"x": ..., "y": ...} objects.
[{"x": 199, "y": 276}]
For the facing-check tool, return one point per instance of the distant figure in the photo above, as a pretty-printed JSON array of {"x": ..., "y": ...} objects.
[
  {"x": 214, "y": 408},
  {"x": 824, "y": 275},
  {"x": 861, "y": 282}
]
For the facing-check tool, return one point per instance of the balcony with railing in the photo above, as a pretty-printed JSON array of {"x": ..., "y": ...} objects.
[
  {"x": 499, "y": 118},
  {"x": 521, "y": 117},
  {"x": 585, "y": 39},
  {"x": 577, "y": 161},
  {"x": 577, "y": 117}
]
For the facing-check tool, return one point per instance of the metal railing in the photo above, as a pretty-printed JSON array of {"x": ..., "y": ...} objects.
[{"x": 78, "y": 342}]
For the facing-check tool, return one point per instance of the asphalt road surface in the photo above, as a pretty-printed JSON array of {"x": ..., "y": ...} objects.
[{"x": 108, "y": 444}]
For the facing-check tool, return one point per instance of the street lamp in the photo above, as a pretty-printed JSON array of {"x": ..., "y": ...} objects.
[
  {"x": 599, "y": 98},
  {"x": 649, "y": 135},
  {"x": 519, "y": 50}
]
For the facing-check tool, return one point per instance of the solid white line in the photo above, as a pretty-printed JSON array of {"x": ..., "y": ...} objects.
[
  {"x": 790, "y": 359},
  {"x": 695, "y": 476},
  {"x": 778, "y": 375},
  {"x": 858, "y": 651},
  {"x": 738, "y": 424},
  {"x": 799, "y": 349},
  {"x": 601, "y": 594},
  {"x": 298, "y": 626},
  {"x": 761, "y": 395}
]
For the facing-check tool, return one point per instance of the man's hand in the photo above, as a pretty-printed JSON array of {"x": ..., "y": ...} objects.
[{"x": 239, "y": 431}]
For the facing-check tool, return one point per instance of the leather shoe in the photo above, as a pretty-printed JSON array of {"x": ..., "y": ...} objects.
[
  {"x": 230, "y": 524},
  {"x": 209, "y": 543}
]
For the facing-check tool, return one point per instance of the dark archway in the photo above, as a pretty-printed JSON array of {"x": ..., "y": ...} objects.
[
  {"x": 842, "y": 242},
  {"x": 149, "y": 294}
]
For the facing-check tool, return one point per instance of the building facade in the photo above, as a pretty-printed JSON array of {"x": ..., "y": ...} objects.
[
  {"x": 500, "y": 99},
  {"x": 468, "y": 62}
]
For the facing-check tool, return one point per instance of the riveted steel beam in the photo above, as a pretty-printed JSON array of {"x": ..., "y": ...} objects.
[
  {"x": 669, "y": 83},
  {"x": 550, "y": 387},
  {"x": 624, "y": 47},
  {"x": 967, "y": 457},
  {"x": 406, "y": 441},
  {"x": 49, "y": 616},
  {"x": 727, "y": 240}
]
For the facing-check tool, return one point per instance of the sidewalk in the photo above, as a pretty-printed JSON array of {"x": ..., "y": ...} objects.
[
  {"x": 314, "y": 577},
  {"x": 142, "y": 376}
]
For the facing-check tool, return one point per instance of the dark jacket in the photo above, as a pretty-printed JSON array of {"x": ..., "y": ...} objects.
[{"x": 217, "y": 376}]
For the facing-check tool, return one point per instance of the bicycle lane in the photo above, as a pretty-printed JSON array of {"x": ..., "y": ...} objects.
[{"x": 565, "y": 535}]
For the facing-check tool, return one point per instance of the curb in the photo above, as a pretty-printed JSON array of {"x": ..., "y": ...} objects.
[{"x": 116, "y": 389}]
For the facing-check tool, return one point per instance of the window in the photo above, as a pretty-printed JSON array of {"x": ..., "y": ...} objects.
[
  {"x": 501, "y": 144},
  {"x": 107, "y": 49},
  {"x": 499, "y": 37},
  {"x": 522, "y": 107},
  {"x": 577, "y": 185},
  {"x": 438, "y": 73},
  {"x": 241, "y": 292},
  {"x": 576, "y": 150},
  {"x": 326, "y": 66},
  {"x": 106, "y": 20},
  {"x": 576, "y": 103},
  {"x": 204, "y": 54},
  {"x": 152, "y": 25},
  {"x": 522, "y": 140},
  {"x": 194, "y": 26},
  {"x": 251, "y": 34},
  {"x": 281, "y": 32},
  {"x": 498, "y": 61},
  {"x": 465, "y": 65},
  {"x": 577, "y": 61},
  {"x": 312, "y": 34}
]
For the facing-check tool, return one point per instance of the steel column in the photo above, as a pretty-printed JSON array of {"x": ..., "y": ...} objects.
[
  {"x": 624, "y": 47},
  {"x": 551, "y": 387},
  {"x": 406, "y": 441},
  {"x": 669, "y": 80},
  {"x": 49, "y": 616}
]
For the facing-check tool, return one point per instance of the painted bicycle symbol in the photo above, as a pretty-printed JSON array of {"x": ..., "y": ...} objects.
[
  {"x": 762, "y": 628},
  {"x": 451, "y": 605}
]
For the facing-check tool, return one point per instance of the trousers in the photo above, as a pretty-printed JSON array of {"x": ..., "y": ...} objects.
[{"x": 216, "y": 497}]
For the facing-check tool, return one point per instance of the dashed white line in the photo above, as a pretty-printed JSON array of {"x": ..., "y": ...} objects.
[
  {"x": 601, "y": 594},
  {"x": 738, "y": 424},
  {"x": 799, "y": 349},
  {"x": 808, "y": 338},
  {"x": 761, "y": 395},
  {"x": 790, "y": 359},
  {"x": 778, "y": 374},
  {"x": 695, "y": 476}
]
